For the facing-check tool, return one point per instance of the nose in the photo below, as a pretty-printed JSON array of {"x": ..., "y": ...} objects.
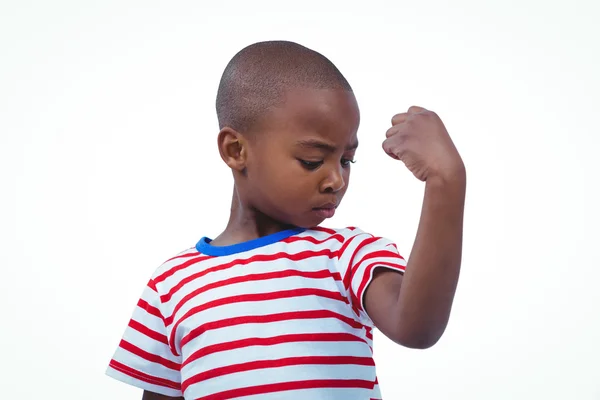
[{"x": 334, "y": 181}]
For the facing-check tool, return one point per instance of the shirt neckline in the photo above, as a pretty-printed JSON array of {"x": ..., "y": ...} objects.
[{"x": 203, "y": 246}]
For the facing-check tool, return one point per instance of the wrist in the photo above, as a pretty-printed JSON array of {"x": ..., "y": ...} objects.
[{"x": 455, "y": 177}]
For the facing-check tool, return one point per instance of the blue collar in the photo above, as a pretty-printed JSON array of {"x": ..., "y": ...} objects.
[{"x": 203, "y": 246}]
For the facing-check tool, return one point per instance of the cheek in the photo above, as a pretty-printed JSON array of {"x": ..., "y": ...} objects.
[
  {"x": 273, "y": 171},
  {"x": 263, "y": 163},
  {"x": 291, "y": 183},
  {"x": 347, "y": 181}
]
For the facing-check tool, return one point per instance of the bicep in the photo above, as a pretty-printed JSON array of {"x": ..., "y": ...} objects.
[
  {"x": 381, "y": 300},
  {"x": 155, "y": 396}
]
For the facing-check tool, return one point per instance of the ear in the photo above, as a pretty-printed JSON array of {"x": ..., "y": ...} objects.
[{"x": 233, "y": 148}]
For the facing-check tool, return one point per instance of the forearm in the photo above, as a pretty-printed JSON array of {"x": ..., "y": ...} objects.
[{"x": 428, "y": 287}]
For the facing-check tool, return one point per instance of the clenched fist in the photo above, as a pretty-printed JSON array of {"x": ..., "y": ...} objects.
[{"x": 419, "y": 138}]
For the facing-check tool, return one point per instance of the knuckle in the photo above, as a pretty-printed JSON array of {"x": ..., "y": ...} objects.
[{"x": 396, "y": 137}]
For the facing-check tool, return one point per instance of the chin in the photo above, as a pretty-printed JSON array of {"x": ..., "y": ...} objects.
[
  {"x": 306, "y": 220},
  {"x": 310, "y": 223}
]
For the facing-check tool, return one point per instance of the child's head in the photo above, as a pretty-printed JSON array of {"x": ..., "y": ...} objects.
[{"x": 288, "y": 121}]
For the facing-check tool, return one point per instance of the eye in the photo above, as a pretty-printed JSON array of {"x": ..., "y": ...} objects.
[
  {"x": 346, "y": 162},
  {"x": 310, "y": 165}
]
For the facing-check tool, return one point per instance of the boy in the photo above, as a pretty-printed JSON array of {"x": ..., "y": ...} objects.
[{"x": 276, "y": 307}]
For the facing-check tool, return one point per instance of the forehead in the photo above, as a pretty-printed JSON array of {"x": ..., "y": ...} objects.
[{"x": 330, "y": 114}]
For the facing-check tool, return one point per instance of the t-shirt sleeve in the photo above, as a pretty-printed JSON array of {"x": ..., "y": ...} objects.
[
  {"x": 144, "y": 358},
  {"x": 362, "y": 254}
]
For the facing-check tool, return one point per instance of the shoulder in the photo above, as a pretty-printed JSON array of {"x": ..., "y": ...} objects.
[
  {"x": 345, "y": 235},
  {"x": 354, "y": 243},
  {"x": 178, "y": 262},
  {"x": 350, "y": 240}
]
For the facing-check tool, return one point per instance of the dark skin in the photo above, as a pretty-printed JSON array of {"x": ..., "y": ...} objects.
[{"x": 300, "y": 160}]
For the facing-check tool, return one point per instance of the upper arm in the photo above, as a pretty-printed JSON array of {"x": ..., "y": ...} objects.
[
  {"x": 155, "y": 396},
  {"x": 381, "y": 301}
]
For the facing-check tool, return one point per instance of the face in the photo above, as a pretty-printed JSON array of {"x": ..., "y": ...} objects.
[{"x": 298, "y": 165}]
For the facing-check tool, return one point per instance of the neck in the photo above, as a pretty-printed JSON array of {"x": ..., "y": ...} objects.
[{"x": 246, "y": 223}]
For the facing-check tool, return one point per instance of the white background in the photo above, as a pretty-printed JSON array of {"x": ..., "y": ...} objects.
[{"x": 108, "y": 166}]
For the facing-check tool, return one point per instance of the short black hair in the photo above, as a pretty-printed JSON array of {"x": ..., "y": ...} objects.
[{"x": 257, "y": 76}]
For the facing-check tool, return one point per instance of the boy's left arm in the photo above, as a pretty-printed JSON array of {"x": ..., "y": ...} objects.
[{"x": 413, "y": 309}]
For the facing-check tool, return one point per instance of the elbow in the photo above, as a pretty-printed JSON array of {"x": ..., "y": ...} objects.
[
  {"x": 418, "y": 340},
  {"x": 419, "y": 343}
]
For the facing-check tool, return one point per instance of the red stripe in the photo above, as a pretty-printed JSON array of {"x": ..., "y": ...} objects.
[
  {"x": 368, "y": 256},
  {"x": 252, "y": 277},
  {"x": 150, "y": 309},
  {"x": 159, "y": 337},
  {"x": 141, "y": 376},
  {"x": 348, "y": 275},
  {"x": 270, "y": 341},
  {"x": 282, "y": 362},
  {"x": 149, "y": 356},
  {"x": 152, "y": 285},
  {"x": 179, "y": 267},
  {"x": 355, "y": 303},
  {"x": 286, "y": 386},
  {"x": 257, "y": 258},
  {"x": 186, "y": 255},
  {"x": 283, "y": 294},
  {"x": 312, "y": 239},
  {"x": 367, "y": 275},
  {"x": 322, "y": 229},
  {"x": 345, "y": 246},
  {"x": 382, "y": 253},
  {"x": 269, "y": 318}
]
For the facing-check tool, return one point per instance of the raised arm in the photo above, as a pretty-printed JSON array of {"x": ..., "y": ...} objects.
[{"x": 414, "y": 309}]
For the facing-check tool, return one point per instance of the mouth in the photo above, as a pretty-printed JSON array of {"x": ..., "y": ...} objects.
[{"x": 325, "y": 211}]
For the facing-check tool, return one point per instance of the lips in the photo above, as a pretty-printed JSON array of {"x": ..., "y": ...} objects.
[{"x": 326, "y": 210}]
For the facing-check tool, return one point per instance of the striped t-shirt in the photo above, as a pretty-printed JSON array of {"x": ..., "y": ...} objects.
[{"x": 278, "y": 317}]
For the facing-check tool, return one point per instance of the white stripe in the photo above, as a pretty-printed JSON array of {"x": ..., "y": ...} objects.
[
  {"x": 282, "y": 374},
  {"x": 113, "y": 373},
  {"x": 140, "y": 364},
  {"x": 150, "y": 321},
  {"x": 149, "y": 345},
  {"x": 283, "y": 350},
  {"x": 278, "y": 328}
]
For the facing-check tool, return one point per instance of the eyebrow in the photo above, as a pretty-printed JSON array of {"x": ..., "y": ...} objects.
[{"x": 317, "y": 144}]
